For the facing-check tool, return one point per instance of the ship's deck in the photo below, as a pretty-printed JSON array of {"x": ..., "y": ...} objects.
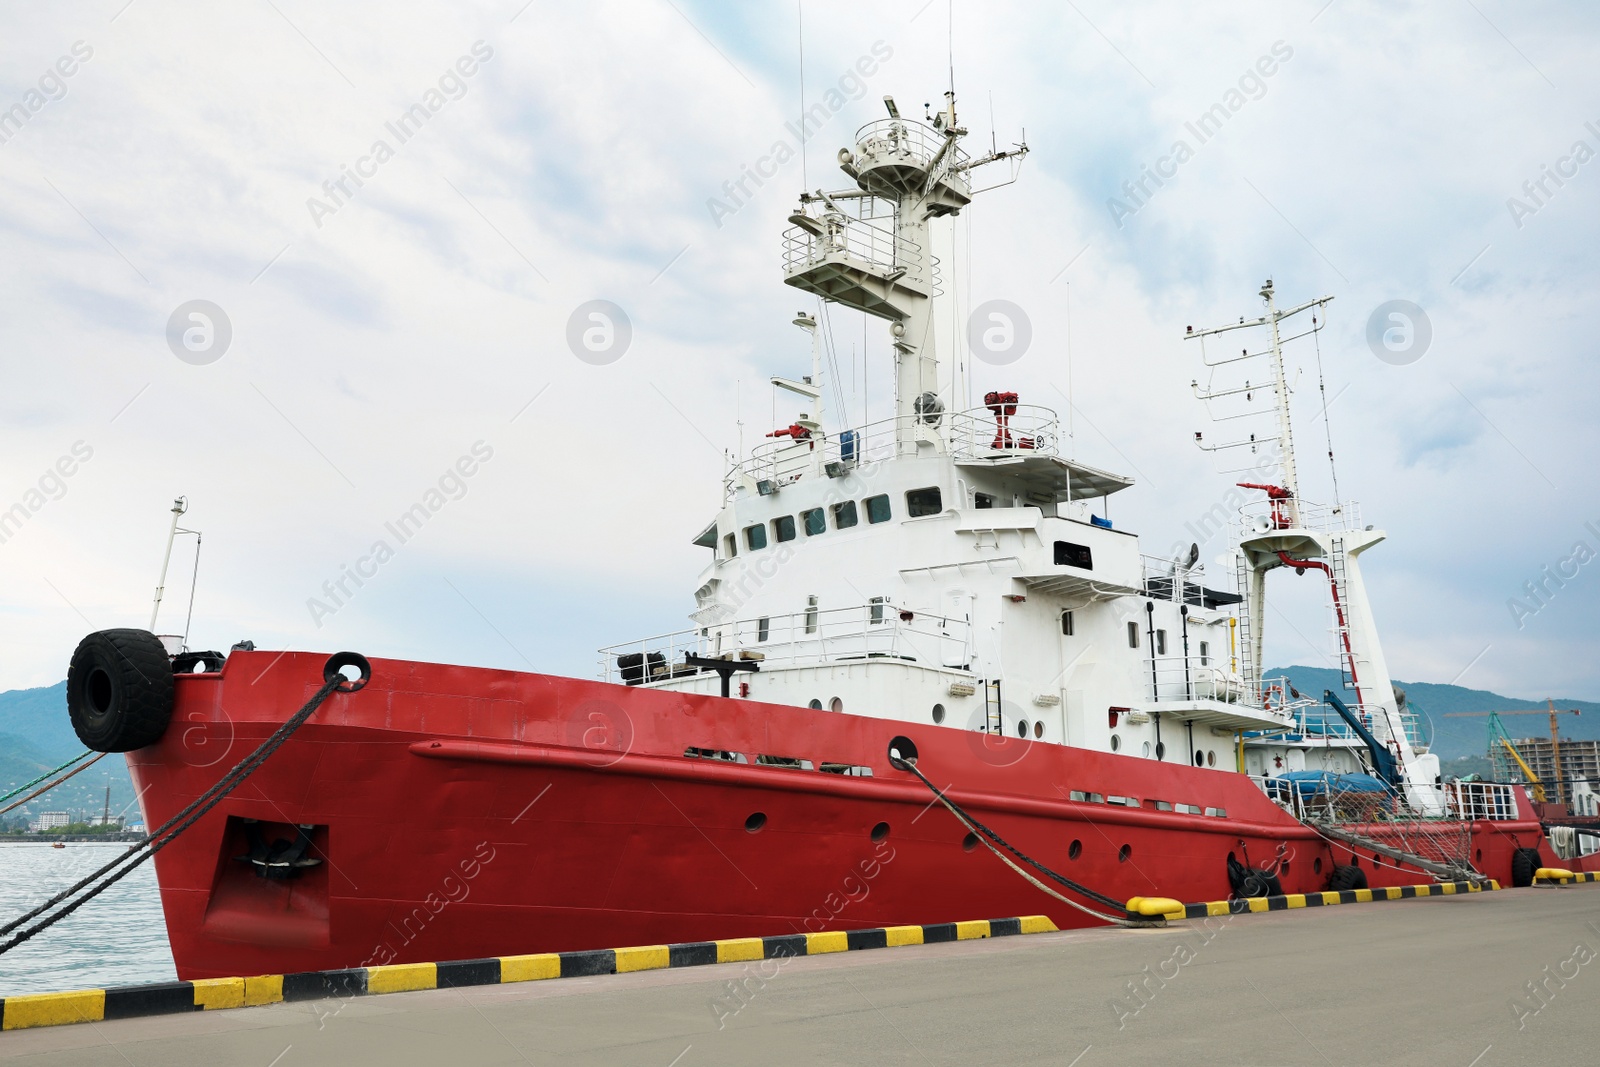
[{"x": 1432, "y": 980}]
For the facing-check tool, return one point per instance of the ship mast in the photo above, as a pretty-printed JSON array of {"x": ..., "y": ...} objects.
[
  {"x": 1288, "y": 477},
  {"x": 846, "y": 248},
  {"x": 1291, "y": 480}
]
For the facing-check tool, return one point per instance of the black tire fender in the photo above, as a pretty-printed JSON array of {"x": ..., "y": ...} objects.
[
  {"x": 119, "y": 690},
  {"x": 1345, "y": 877},
  {"x": 1524, "y": 862}
]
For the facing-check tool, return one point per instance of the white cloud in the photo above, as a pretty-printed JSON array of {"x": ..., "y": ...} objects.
[{"x": 422, "y": 316}]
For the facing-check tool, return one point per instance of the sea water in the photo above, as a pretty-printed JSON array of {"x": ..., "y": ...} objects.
[{"x": 118, "y": 938}]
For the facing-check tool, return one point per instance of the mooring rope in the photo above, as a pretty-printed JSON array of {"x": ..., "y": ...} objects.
[
  {"x": 169, "y": 831},
  {"x": 990, "y": 839},
  {"x": 52, "y": 785}
]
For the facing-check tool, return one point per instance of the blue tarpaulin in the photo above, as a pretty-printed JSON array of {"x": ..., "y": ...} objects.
[{"x": 1316, "y": 783}]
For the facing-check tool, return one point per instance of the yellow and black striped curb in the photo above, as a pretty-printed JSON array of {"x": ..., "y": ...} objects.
[
  {"x": 161, "y": 998},
  {"x": 1299, "y": 900},
  {"x": 1555, "y": 876}
]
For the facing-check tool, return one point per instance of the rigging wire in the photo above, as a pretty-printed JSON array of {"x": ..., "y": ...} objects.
[
  {"x": 1322, "y": 387},
  {"x": 950, "y": 39},
  {"x": 1072, "y": 439},
  {"x": 194, "y": 583},
  {"x": 826, "y": 325},
  {"x": 800, "y": 33}
]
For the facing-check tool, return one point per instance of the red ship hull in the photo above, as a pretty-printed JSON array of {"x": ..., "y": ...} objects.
[{"x": 464, "y": 812}]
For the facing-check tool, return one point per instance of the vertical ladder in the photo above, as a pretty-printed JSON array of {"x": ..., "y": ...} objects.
[
  {"x": 994, "y": 721},
  {"x": 1247, "y": 667},
  {"x": 1341, "y": 626}
]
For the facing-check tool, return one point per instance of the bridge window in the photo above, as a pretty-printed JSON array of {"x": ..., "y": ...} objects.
[
  {"x": 877, "y": 508},
  {"x": 1066, "y": 624},
  {"x": 1071, "y": 555},
  {"x": 755, "y": 537},
  {"x": 982, "y": 500},
  {"x": 730, "y": 546},
  {"x": 763, "y": 628},
  {"x": 1205, "y": 653},
  {"x": 811, "y": 616},
  {"x": 920, "y": 502},
  {"x": 783, "y": 528},
  {"x": 1133, "y": 634},
  {"x": 1161, "y": 642},
  {"x": 844, "y": 515},
  {"x": 815, "y": 521}
]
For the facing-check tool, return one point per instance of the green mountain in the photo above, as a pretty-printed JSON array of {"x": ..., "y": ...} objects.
[
  {"x": 1455, "y": 738},
  {"x": 35, "y": 736}
]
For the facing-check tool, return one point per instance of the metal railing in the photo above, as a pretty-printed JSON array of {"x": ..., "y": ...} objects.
[
  {"x": 1261, "y": 516},
  {"x": 1171, "y": 580},
  {"x": 1311, "y": 717},
  {"x": 1464, "y": 801},
  {"x": 891, "y": 140},
  {"x": 972, "y": 434},
  {"x": 978, "y": 433},
  {"x": 1480, "y": 800},
  {"x": 1169, "y": 679},
  {"x": 868, "y": 631},
  {"x": 853, "y": 240}
]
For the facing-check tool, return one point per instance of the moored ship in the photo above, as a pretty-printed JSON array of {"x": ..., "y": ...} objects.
[{"x": 936, "y": 603}]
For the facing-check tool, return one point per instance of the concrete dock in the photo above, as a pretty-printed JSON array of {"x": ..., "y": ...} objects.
[{"x": 1504, "y": 978}]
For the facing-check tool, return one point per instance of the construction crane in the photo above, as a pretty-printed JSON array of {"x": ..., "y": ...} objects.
[
  {"x": 1555, "y": 738},
  {"x": 1527, "y": 771}
]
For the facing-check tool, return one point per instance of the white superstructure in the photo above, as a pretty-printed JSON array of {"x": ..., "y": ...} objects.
[
  {"x": 943, "y": 566},
  {"x": 955, "y": 568}
]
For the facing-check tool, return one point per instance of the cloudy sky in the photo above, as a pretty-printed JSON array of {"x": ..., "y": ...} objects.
[{"x": 377, "y": 333}]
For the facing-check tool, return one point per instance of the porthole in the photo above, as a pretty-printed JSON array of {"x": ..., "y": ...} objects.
[
  {"x": 1022, "y": 727},
  {"x": 1477, "y": 857},
  {"x": 1123, "y": 853},
  {"x": 835, "y": 704},
  {"x": 755, "y": 822},
  {"x": 1116, "y": 742},
  {"x": 1199, "y": 758},
  {"x": 1146, "y": 750},
  {"x": 969, "y": 842},
  {"x": 938, "y": 713},
  {"x": 1316, "y": 865},
  {"x": 1075, "y": 849},
  {"x": 815, "y": 705},
  {"x": 880, "y": 833},
  {"x": 1211, "y": 758},
  {"x": 1038, "y": 729}
]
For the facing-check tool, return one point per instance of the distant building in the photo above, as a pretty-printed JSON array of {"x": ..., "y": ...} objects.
[
  {"x": 52, "y": 820},
  {"x": 1579, "y": 759}
]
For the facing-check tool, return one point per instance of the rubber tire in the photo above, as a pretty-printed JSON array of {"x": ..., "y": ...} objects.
[
  {"x": 1524, "y": 861},
  {"x": 1259, "y": 883},
  {"x": 1347, "y": 877},
  {"x": 119, "y": 690}
]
